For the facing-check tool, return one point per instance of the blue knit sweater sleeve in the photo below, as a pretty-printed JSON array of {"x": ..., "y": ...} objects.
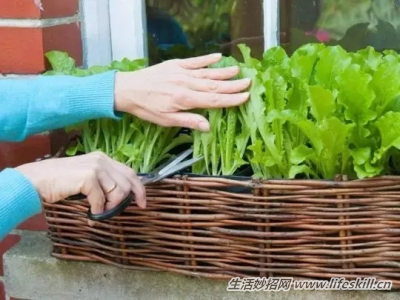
[
  {"x": 29, "y": 106},
  {"x": 18, "y": 200}
]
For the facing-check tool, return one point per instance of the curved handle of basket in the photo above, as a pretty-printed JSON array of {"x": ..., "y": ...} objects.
[{"x": 112, "y": 212}]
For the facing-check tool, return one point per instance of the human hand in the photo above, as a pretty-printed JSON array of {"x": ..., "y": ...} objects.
[
  {"x": 104, "y": 181},
  {"x": 161, "y": 92}
]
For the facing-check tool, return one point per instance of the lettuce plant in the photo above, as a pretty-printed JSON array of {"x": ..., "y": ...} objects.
[{"x": 323, "y": 111}]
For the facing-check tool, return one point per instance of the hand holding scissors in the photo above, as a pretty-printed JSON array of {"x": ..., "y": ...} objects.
[{"x": 171, "y": 167}]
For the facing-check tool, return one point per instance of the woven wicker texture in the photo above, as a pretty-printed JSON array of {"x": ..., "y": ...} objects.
[{"x": 216, "y": 227}]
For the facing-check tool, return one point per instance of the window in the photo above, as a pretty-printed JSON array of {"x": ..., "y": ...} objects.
[
  {"x": 163, "y": 29},
  {"x": 184, "y": 28},
  {"x": 353, "y": 24},
  {"x": 113, "y": 29}
]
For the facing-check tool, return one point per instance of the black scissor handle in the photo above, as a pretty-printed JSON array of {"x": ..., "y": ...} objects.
[{"x": 109, "y": 213}]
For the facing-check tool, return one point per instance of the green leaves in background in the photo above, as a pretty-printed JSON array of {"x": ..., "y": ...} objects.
[{"x": 62, "y": 64}]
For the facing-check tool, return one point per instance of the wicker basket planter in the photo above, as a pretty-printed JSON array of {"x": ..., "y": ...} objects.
[{"x": 219, "y": 228}]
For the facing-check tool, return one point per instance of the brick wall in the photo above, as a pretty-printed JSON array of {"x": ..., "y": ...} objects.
[{"x": 28, "y": 29}]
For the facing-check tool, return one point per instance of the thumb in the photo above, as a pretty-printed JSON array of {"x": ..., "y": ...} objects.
[
  {"x": 188, "y": 120},
  {"x": 96, "y": 199}
]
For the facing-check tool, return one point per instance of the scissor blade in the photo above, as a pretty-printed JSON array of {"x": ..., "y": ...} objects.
[
  {"x": 178, "y": 168},
  {"x": 148, "y": 179},
  {"x": 163, "y": 165},
  {"x": 174, "y": 162}
]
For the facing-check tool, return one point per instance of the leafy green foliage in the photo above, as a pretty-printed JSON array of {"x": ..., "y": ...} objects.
[
  {"x": 62, "y": 64},
  {"x": 323, "y": 111},
  {"x": 224, "y": 146},
  {"x": 320, "y": 112},
  {"x": 132, "y": 141}
]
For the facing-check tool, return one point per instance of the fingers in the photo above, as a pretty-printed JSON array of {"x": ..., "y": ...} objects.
[
  {"x": 216, "y": 74},
  {"x": 194, "y": 99},
  {"x": 115, "y": 186},
  {"x": 139, "y": 191},
  {"x": 189, "y": 100},
  {"x": 108, "y": 182},
  {"x": 200, "y": 61},
  {"x": 188, "y": 120},
  {"x": 96, "y": 199},
  {"x": 128, "y": 181},
  {"x": 216, "y": 86}
]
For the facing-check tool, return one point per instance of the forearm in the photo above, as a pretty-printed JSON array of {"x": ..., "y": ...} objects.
[
  {"x": 19, "y": 200},
  {"x": 29, "y": 106}
]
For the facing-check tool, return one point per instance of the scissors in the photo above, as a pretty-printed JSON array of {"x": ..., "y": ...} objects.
[{"x": 169, "y": 168}]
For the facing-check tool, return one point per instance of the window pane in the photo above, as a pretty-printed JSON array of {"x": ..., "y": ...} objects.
[
  {"x": 353, "y": 24},
  {"x": 184, "y": 28}
]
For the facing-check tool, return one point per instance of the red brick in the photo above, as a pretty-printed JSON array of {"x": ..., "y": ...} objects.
[
  {"x": 37, "y": 222},
  {"x": 15, "y": 154},
  {"x": 28, "y": 9},
  {"x": 65, "y": 38},
  {"x": 22, "y": 49},
  {"x": 2, "y": 292},
  {"x": 19, "y": 9},
  {"x": 9, "y": 241},
  {"x": 59, "y": 8}
]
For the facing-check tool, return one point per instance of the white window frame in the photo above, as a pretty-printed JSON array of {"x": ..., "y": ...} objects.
[
  {"x": 271, "y": 23},
  {"x": 114, "y": 29},
  {"x": 128, "y": 28},
  {"x": 96, "y": 37}
]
